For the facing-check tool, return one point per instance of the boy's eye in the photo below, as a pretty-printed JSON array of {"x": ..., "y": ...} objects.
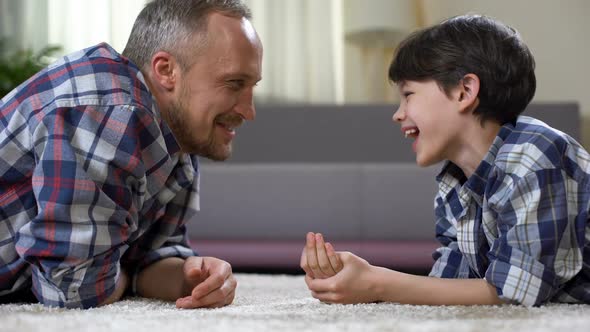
[{"x": 407, "y": 94}]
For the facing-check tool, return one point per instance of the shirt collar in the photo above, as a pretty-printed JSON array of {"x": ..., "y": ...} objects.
[
  {"x": 451, "y": 176},
  {"x": 171, "y": 143}
]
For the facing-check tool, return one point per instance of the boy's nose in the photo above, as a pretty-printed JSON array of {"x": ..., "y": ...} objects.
[{"x": 399, "y": 115}]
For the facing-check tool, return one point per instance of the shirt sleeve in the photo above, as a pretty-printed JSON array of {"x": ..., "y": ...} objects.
[
  {"x": 89, "y": 183},
  {"x": 538, "y": 248},
  {"x": 448, "y": 259},
  {"x": 168, "y": 236}
]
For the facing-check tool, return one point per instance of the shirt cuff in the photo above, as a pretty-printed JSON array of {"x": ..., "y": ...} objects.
[
  {"x": 77, "y": 288},
  {"x": 516, "y": 285}
]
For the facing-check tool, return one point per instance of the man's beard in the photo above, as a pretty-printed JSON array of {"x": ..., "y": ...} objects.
[{"x": 210, "y": 148}]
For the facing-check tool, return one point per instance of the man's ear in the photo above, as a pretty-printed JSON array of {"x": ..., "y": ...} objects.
[
  {"x": 165, "y": 70},
  {"x": 468, "y": 92}
]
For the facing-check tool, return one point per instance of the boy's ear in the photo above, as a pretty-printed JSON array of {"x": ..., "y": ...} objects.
[
  {"x": 164, "y": 70},
  {"x": 468, "y": 92}
]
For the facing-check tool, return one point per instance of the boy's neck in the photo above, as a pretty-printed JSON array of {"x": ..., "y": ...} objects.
[{"x": 475, "y": 144}]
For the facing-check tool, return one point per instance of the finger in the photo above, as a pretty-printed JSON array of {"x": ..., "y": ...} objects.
[
  {"x": 312, "y": 259},
  {"x": 303, "y": 262},
  {"x": 308, "y": 279},
  {"x": 214, "y": 299},
  {"x": 328, "y": 297},
  {"x": 229, "y": 299},
  {"x": 320, "y": 285},
  {"x": 323, "y": 261},
  {"x": 219, "y": 297},
  {"x": 193, "y": 269},
  {"x": 333, "y": 257},
  {"x": 219, "y": 271},
  {"x": 225, "y": 296}
]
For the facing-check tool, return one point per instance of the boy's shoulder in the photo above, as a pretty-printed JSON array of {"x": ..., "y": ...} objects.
[{"x": 531, "y": 145}]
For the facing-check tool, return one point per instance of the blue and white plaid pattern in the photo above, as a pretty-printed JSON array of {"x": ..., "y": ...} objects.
[
  {"x": 91, "y": 180},
  {"x": 521, "y": 220}
]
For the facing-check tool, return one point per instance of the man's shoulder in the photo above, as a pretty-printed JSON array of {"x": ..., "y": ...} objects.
[
  {"x": 97, "y": 76},
  {"x": 101, "y": 74}
]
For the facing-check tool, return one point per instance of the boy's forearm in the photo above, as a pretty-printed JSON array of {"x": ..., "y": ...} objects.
[
  {"x": 400, "y": 287},
  {"x": 162, "y": 280}
]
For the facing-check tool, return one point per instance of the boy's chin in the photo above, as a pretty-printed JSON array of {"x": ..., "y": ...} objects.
[{"x": 425, "y": 161}]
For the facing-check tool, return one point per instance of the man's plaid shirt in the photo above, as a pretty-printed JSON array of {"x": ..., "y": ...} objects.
[
  {"x": 91, "y": 181},
  {"x": 521, "y": 220}
]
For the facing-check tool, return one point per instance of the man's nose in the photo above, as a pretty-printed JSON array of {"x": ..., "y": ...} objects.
[{"x": 245, "y": 106}]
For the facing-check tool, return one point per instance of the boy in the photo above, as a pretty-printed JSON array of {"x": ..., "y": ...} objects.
[{"x": 512, "y": 205}]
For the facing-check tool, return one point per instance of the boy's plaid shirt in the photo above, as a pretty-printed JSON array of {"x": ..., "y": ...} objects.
[
  {"x": 91, "y": 181},
  {"x": 521, "y": 220}
]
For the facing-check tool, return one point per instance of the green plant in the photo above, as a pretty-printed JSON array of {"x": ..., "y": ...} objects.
[{"x": 17, "y": 66}]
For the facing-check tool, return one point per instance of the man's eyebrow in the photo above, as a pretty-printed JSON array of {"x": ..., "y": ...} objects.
[{"x": 242, "y": 76}]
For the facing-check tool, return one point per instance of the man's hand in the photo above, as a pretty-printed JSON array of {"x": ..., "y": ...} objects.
[
  {"x": 318, "y": 258},
  {"x": 208, "y": 282}
]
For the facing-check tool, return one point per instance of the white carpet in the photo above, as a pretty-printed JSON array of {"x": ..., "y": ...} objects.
[{"x": 282, "y": 303}]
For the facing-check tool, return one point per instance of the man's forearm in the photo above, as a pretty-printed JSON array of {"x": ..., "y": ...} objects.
[
  {"x": 162, "y": 280},
  {"x": 400, "y": 287},
  {"x": 120, "y": 287}
]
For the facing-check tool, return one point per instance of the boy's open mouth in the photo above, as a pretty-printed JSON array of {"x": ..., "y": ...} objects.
[{"x": 411, "y": 132}]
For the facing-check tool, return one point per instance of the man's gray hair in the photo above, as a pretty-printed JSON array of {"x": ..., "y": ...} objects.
[{"x": 176, "y": 26}]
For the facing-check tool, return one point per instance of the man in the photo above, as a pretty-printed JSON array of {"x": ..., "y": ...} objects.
[{"x": 98, "y": 167}]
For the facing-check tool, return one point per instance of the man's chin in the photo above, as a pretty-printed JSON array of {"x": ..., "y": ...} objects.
[
  {"x": 219, "y": 154},
  {"x": 215, "y": 152},
  {"x": 216, "y": 157}
]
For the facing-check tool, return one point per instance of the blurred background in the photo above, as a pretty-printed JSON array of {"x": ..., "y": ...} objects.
[
  {"x": 324, "y": 62},
  {"x": 329, "y": 51}
]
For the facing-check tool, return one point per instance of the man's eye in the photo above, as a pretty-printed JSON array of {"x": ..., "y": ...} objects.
[{"x": 236, "y": 84}]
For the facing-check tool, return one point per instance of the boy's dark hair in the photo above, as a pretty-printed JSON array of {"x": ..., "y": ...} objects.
[{"x": 474, "y": 44}]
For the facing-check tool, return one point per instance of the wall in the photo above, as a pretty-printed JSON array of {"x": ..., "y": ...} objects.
[
  {"x": 555, "y": 31},
  {"x": 557, "y": 34}
]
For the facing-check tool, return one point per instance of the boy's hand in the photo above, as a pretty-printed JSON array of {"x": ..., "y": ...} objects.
[
  {"x": 318, "y": 258},
  {"x": 209, "y": 282},
  {"x": 355, "y": 283}
]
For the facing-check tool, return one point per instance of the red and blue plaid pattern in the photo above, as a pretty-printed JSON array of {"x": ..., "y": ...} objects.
[
  {"x": 91, "y": 180},
  {"x": 521, "y": 220}
]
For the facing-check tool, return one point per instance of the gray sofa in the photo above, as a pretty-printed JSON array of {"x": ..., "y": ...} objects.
[{"x": 344, "y": 171}]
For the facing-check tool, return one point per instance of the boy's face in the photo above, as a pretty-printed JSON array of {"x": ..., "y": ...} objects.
[{"x": 432, "y": 119}]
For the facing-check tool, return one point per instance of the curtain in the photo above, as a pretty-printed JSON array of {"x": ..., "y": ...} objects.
[
  {"x": 76, "y": 24},
  {"x": 23, "y": 24},
  {"x": 71, "y": 24},
  {"x": 303, "y": 57}
]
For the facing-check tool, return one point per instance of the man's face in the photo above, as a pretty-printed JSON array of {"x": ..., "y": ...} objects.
[{"x": 215, "y": 93}]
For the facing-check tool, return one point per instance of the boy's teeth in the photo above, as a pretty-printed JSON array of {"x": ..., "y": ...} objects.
[{"x": 410, "y": 132}]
